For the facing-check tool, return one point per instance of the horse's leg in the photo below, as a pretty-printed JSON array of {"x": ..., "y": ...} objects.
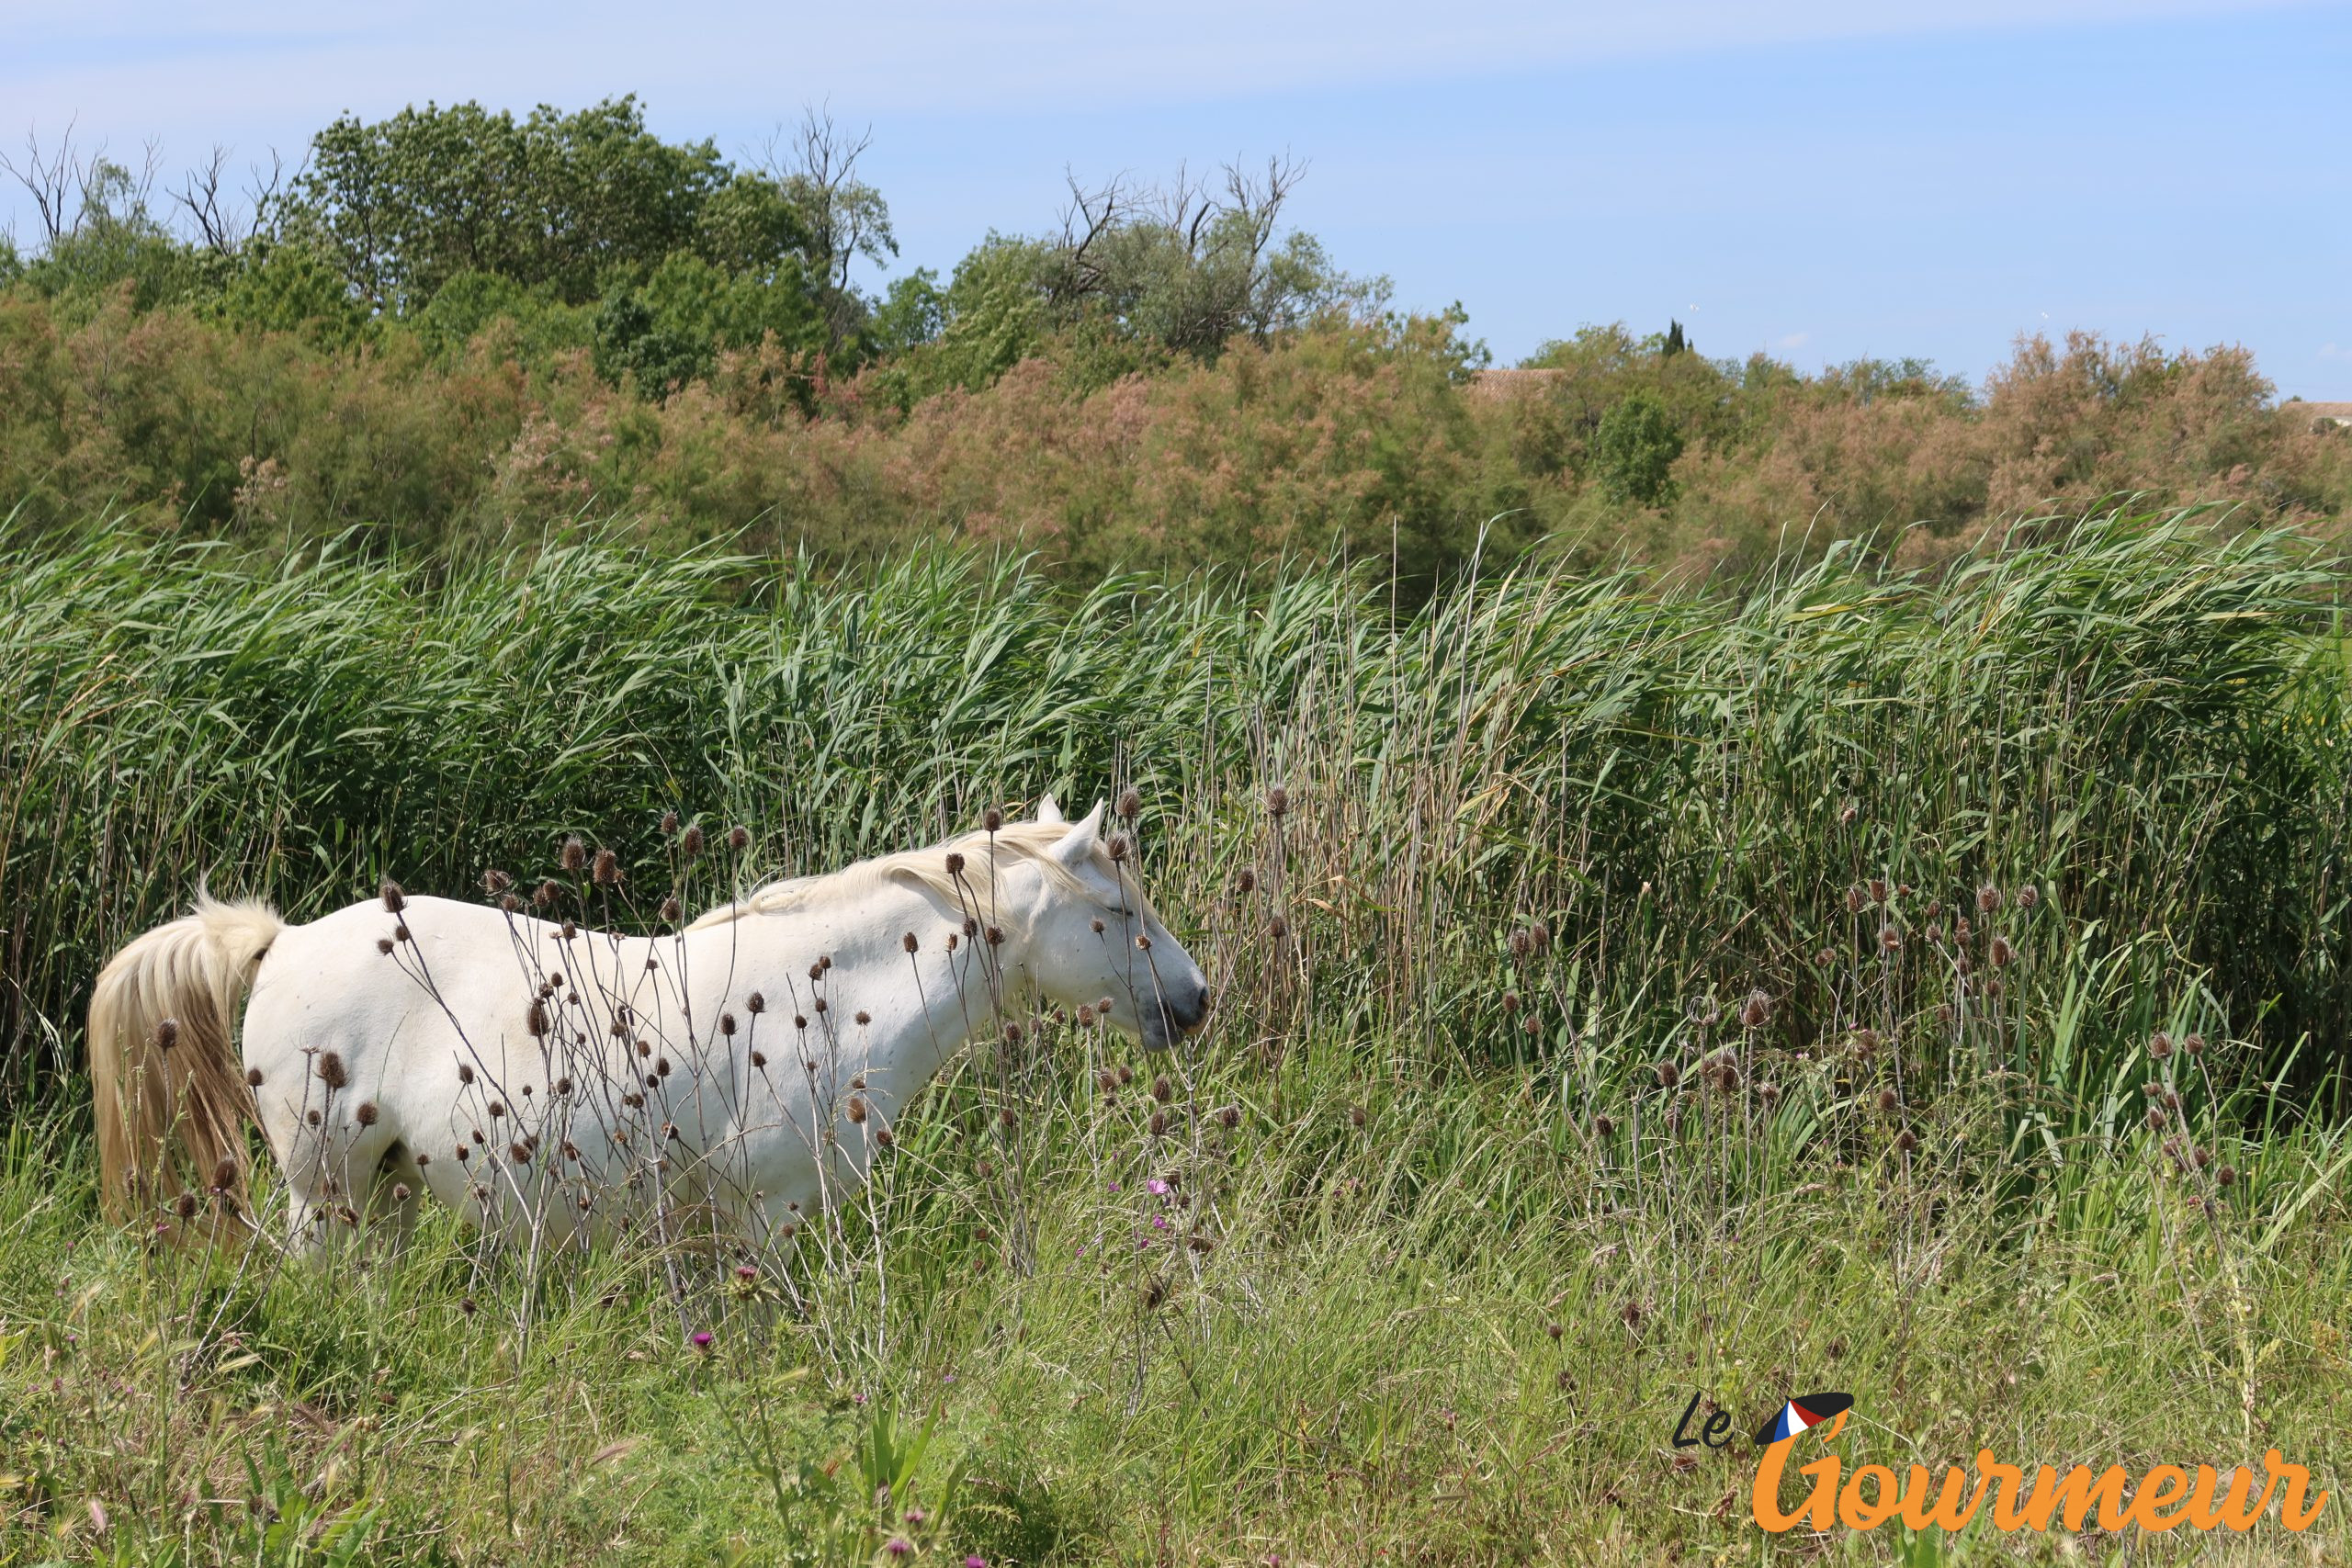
[
  {"x": 394, "y": 1198},
  {"x": 333, "y": 1174}
]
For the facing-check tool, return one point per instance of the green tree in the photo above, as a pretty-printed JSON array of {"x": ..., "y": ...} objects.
[
  {"x": 556, "y": 202},
  {"x": 1634, "y": 449}
]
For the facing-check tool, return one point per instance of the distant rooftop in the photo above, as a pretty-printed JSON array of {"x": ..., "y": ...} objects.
[{"x": 2334, "y": 414}]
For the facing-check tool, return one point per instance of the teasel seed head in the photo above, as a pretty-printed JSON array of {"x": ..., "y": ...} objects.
[
  {"x": 991, "y": 819},
  {"x": 759, "y": 1060},
  {"x": 538, "y": 1022},
  {"x": 311, "y": 1116},
  {"x": 799, "y": 1020},
  {"x": 1097, "y": 925},
  {"x": 1127, "y": 1074},
  {"x": 662, "y": 1067},
  {"x": 1769, "y": 1094},
  {"x": 1246, "y": 881},
  {"x": 1756, "y": 1011},
  {"x": 1878, "y": 890},
  {"x": 1355, "y": 1115},
  {"x": 971, "y": 927},
  {"x": 1890, "y": 939},
  {"x": 1157, "y": 1125},
  {"x": 1277, "y": 926},
  {"x": 400, "y": 932},
  {"x": 670, "y": 910},
  {"x": 727, "y": 1025},
  {"x": 185, "y": 1205},
  {"x": 954, "y": 864},
  {"x": 1604, "y": 1125},
  {"x": 167, "y": 1034},
  {"x": 738, "y": 839},
  {"x": 2226, "y": 1175},
  {"x": 2194, "y": 1044},
  {"x": 1523, "y": 946},
  {"x": 465, "y": 1072},
  {"x": 2027, "y": 895},
  {"x": 1855, "y": 899},
  {"x": 1510, "y": 1003},
  {"x": 495, "y": 881},
  {"x": 1668, "y": 1074},
  {"x": 364, "y": 1113},
  {"x": 331, "y": 1071},
  {"x": 1988, "y": 899},
  {"x": 1889, "y": 1101},
  {"x": 1130, "y": 803},
  {"x": 2160, "y": 1045},
  {"x": 822, "y": 1005},
  {"x": 1117, "y": 847},
  {"x": 2001, "y": 952},
  {"x": 909, "y": 943},
  {"x": 2155, "y": 1118},
  {"x": 384, "y": 946},
  {"x": 394, "y": 899},
  {"x": 863, "y": 1018},
  {"x": 691, "y": 841},
  {"x": 857, "y": 1109},
  {"x": 1163, "y": 1091},
  {"x": 1277, "y": 802},
  {"x": 1010, "y": 1117},
  {"x": 253, "y": 1078},
  {"x": 574, "y": 853},
  {"x": 1907, "y": 1140}
]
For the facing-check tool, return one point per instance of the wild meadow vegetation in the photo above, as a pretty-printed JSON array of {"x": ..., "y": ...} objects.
[
  {"x": 1926, "y": 984},
  {"x": 1718, "y": 882}
]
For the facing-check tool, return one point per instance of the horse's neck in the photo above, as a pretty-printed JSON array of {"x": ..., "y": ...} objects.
[{"x": 920, "y": 1008}]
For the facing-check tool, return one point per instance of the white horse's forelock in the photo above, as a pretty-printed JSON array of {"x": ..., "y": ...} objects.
[{"x": 1014, "y": 843}]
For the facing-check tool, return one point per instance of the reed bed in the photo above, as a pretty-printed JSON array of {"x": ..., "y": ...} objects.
[{"x": 1929, "y": 986}]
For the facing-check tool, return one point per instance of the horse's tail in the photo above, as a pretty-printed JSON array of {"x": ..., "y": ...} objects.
[{"x": 162, "y": 1051}]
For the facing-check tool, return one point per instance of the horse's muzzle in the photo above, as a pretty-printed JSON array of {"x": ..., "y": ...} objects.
[{"x": 1178, "y": 1014}]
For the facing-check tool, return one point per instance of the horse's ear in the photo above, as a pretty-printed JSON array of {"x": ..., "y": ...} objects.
[
  {"x": 1050, "y": 810},
  {"x": 1080, "y": 841}
]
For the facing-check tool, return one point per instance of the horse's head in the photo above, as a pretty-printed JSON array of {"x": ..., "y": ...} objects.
[{"x": 1095, "y": 935}]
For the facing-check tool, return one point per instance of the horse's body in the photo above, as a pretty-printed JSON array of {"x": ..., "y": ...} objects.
[{"x": 542, "y": 1082}]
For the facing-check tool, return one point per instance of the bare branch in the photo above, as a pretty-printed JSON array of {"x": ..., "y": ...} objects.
[{"x": 56, "y": 182}]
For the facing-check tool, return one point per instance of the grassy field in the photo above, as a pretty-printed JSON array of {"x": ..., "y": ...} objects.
[{"x": 1933, "y": 989}]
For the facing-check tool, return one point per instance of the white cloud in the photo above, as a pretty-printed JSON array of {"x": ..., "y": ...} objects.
[{"x": 1793, "y": 341}]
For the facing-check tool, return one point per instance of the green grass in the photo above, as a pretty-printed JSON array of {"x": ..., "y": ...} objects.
[{"x": 1447, "y": 1143}]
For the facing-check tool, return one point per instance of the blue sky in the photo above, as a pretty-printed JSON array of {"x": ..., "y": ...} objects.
[{"x": 1819, "y": 179}]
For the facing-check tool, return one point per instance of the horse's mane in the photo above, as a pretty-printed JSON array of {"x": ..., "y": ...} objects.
[{"x": 926, "y": 868}]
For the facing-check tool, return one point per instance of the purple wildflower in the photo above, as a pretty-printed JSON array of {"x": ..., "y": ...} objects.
[{"x": 701, "y": 1338}]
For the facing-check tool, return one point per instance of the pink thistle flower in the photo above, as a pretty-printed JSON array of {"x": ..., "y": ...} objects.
[
  {"x": 701, "y": 1339},
  {"x": 1159, "y": 1187}
]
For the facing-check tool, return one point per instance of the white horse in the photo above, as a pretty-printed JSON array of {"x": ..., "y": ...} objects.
[{"x": 550, "y": 1081}]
